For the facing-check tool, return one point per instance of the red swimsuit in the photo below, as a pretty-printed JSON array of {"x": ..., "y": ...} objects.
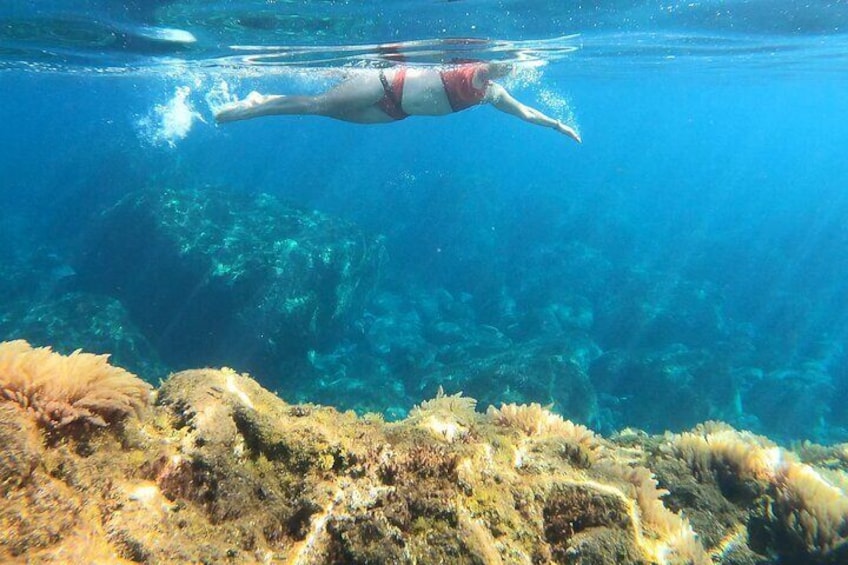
[
  {"x": 459, "y": 88},
  {"x": 390, "y": 103}
]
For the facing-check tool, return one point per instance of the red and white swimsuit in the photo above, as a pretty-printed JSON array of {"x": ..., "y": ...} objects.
[
  {"x": 390, "y": 103},
  {"x": 459, "y": 88}
]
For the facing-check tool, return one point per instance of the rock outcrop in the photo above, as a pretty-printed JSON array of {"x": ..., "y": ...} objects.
[{"x": 220, "y": 470}]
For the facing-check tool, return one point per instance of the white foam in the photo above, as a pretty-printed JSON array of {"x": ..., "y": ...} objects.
[
  {"x": 219, "y": 96},
  {"x": 168, "y": 123},
  {"x": 559, "y": 106},
  {"x": 524, "y": 75}
]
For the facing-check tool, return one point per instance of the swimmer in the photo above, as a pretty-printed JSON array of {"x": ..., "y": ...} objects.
[{"x": 388, "y": 95}]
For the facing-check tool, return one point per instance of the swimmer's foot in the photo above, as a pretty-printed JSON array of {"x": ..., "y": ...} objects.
[{"x": 245, "y": 109}]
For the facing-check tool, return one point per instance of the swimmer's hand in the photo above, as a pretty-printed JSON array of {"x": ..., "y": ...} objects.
[{"x": 569, "y": 131}]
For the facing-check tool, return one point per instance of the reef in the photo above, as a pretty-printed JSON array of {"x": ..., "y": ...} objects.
[
  {"x": 68, "y": 320},
  {"x": 216, "y": 277},
  {"x": 557, "y": 310},
  {"x": 212, "y": 468}
]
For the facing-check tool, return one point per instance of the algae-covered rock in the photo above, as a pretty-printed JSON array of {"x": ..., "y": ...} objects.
[
  {"x": 227, "y": 277},
  {"x": 21, "y": 451},
  {"x": 221, "y": 470},
  {"x": 672, "y": 388},
  {"x": 547, "y": 371}
]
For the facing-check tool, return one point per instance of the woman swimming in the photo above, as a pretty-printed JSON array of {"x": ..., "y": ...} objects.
[{"x": 388, "y": 95}]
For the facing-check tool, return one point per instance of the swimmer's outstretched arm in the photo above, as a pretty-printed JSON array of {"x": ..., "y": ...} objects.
[{"x": 497, "y": 96}]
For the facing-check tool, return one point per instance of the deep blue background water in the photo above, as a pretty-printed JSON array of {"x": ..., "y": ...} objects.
[{"x": 717, "y": 159}]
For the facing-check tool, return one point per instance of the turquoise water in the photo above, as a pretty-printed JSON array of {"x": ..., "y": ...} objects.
[{"x": 686, "y": 262}]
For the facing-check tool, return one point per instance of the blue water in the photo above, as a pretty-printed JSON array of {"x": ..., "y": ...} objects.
[{"x": 686, "y": 262}]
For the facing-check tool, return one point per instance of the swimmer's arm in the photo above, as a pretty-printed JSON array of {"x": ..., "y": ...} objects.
[{"x": 497, "y": 96}]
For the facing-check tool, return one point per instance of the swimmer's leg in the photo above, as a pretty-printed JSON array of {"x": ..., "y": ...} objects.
[
  {"x": 350, "y": 100},
  {"x": 257, "y": 105}
]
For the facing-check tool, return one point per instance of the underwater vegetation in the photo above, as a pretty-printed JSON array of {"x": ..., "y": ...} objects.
[
  {"x": 214, "y": 277},
  {"x": 314, "y": 305},
  {"x": 61, "y": 391},
  {"x": 214, "y": 468},
  {"x": 65, "y": 318}
]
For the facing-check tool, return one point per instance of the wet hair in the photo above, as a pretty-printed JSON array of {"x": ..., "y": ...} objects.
[
  {"x": 498, "y": 69},
  {"x": 494, "y": 69}
]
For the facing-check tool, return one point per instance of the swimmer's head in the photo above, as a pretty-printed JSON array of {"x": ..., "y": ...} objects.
[{"x": 497, "y": 69}]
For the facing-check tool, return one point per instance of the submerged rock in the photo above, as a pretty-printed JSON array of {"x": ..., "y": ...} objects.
[
  {"x": 70, "y": 320},
  {"x": 226, "y": 277},
  {"x": 673, "y": 388},
  {"x": 547, "y": 371},
  {"x": 790, "y": 402},
  {"x": 221, "y": 470}
]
